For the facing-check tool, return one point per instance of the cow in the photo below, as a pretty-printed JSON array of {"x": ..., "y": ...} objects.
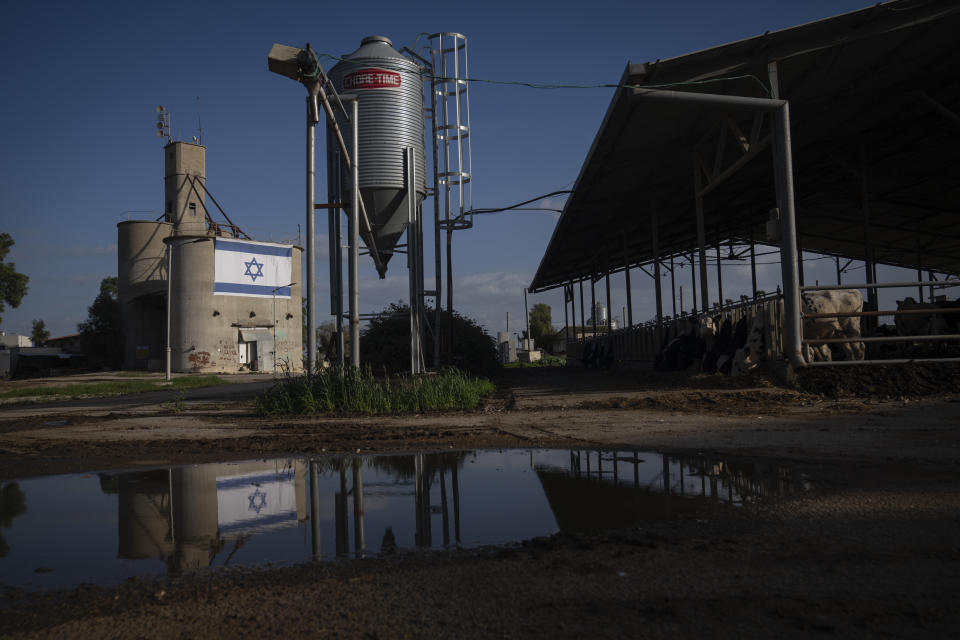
[
  {"x": 933, "y": 324},
  {"x": 689, "y": 347},
  {"x": 923, "y": 324},
  {"x": 749, "y": 357},
  {"x": 829, "y": 302}
]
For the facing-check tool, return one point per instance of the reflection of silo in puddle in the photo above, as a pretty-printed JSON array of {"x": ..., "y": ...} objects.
[
  {"x": 143, "y": 529},
  {"x": 197, "y": 506},
  {"x": 195, "y": 515}
]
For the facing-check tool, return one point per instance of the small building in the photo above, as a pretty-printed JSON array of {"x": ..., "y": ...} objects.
[
  {"x": 68, "y": 344},
  {"x": 10, "y": 340},
  {"x": 231, "y": 303}
]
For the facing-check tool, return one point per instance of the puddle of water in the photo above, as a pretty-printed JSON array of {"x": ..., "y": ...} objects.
[{"x": 65, "y": 530}]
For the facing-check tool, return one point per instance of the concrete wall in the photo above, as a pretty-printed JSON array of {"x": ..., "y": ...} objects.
[{"x": 205, "y": 329}]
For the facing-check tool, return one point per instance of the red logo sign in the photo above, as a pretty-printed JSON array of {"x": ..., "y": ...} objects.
[{"x": 371, "y": 79}]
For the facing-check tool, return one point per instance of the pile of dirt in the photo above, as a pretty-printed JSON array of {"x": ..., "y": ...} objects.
[{"x": 881, "y": 381}]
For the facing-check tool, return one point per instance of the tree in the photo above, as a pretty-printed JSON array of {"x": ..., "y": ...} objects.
[
  {"x": 39, "y": 334},
  {"x": 101, "y": 334},
  {"x": 385, "y": 343},
  {"x": 13, "y": 285},
  {"x": 540, "y": 322}
]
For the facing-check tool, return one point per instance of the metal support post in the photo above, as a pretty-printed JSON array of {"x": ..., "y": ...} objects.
[
  {"x": 566, "y": 316},
  {"x": 655, "y": 242},
  {"x": 793, "y": 331},
  {"x": 583, "y": 318},
  {"x": 673, "y": 288},
  {"x": 701, "y": 239},
  {"x": 437, "y": 263},
  {"x": 354, "y": 230},
  {"x": 413, "y": 262},
  {"x": 170, "y": 291},
  {"x": 335, "y": 243},
  {"x": 311, "y": 241},
  {"x": 449, "y": 327},
  {"x": 455, "y": 486},
  {"x": 628, "y": 318},
  {"x": 312, "y": 469},
  {"x": 359, "y": 537},
  {"x": 719, "y": 274},
  {"x": 526, "y": 316},
  {"x": 593, "y": 304},
  {"x": 693, "y": 283},
  {"x": 919, "y": 276},
  {"x": 609, "y": 308},
  {"x": 868, "y": 253}
]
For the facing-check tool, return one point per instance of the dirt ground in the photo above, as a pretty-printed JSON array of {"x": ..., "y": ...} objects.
[{"x": 872, "y": 551}]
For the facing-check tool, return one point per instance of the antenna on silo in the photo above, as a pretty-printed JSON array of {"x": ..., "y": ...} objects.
[
  {"x": 163, "y": 123},
  {"x": 199, "y": 126}
]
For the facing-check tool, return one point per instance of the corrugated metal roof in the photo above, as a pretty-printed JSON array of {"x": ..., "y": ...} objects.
[{"x": 873, "y": 93}]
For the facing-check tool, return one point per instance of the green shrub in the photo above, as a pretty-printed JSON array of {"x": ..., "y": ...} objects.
[{"x": 352, "y": 390}]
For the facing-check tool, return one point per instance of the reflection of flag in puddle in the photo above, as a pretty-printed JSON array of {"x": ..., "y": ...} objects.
[{"x": 256, "y": 501}]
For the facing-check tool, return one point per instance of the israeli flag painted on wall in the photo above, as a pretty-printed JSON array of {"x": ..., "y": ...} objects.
[{"x": 255, "y": 269}]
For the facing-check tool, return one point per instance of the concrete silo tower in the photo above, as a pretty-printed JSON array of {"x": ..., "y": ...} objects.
[
  {"x": 185, "y": 182},
  {"x": 174, "y": 309}
]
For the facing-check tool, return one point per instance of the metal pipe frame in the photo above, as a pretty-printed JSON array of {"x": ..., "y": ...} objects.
[
  {"x": 835, "y": 363},
  {"x": 311, "y": 241},
  {"x": 925, "y": 338},
  {"x": 335, "y": 243},
  {"x": 354, "y": 232},
  {"x": 783, "y": 159},
  {"x": 930, "y": 311},
  {"x": 374, "y": 253},
  {"x": 942, "y": 284},
  {"x": 414, "y": 262}
]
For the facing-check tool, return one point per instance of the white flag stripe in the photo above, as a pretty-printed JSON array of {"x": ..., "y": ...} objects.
[{"x": 256, "y": 269}]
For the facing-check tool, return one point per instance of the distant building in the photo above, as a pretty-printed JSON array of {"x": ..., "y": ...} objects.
[
  {"x": 68, "y": 343},
  {"x": 234, "y": 303},
  {"x": 10, "y": 340}
]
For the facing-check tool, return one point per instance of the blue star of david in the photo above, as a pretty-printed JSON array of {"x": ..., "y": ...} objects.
[
  {"x": 258, "y": 501},
  {"x": 253, "y": 264}
]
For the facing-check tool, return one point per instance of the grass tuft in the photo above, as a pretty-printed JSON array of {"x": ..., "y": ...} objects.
[
  {"x": 112, "y": 388},
  {"x": 351, "y": 390}
]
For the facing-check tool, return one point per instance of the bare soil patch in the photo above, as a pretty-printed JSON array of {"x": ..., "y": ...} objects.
[{"x": 872, "y": 551}]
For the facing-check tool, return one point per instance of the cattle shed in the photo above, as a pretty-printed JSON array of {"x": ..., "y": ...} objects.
[{"x": 838, "y": 137}]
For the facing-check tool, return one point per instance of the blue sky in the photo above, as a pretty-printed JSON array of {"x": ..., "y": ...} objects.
[{"x": 81, "y": 81}]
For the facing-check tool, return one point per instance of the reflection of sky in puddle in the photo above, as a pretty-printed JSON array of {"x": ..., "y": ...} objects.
[{"x": 108, "y": 527}]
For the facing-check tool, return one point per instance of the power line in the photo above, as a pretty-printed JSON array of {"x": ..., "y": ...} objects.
[
  {"x": 547, "y": 85},
  {"x": 519, "y": 205}
]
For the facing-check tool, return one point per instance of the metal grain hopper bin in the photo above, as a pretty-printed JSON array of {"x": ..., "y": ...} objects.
[{"x": 390, "y": 94}]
